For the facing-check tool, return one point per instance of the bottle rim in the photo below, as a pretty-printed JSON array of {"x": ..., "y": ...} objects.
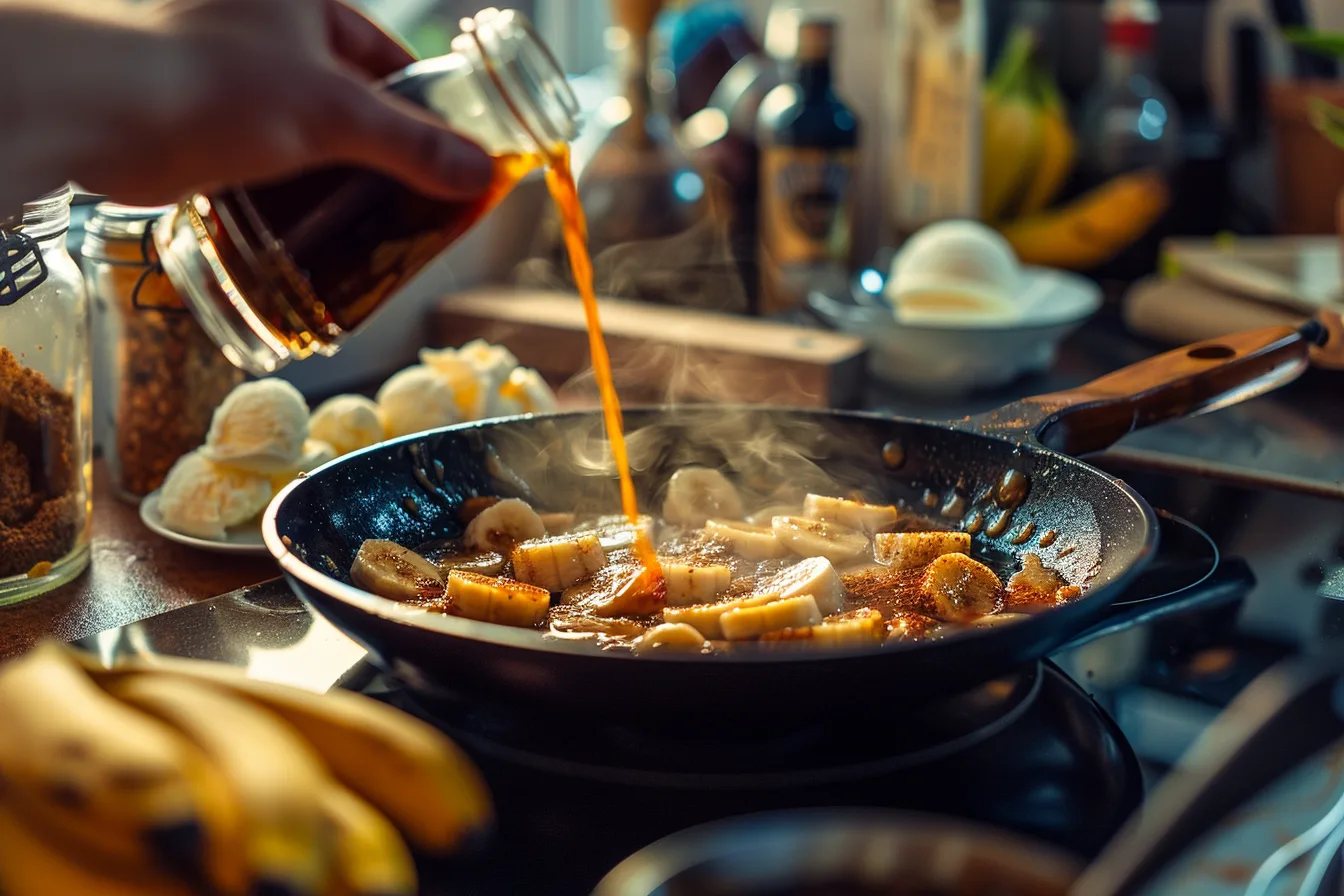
[
  {"x": 45, "y": 217},
  {"x": 530, "y": 82}
]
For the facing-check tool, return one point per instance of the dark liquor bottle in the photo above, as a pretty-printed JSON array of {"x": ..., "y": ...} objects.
[{"x": 808, "y": 140}]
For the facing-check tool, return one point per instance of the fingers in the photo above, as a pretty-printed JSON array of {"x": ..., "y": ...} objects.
[
  {"x": 362, "y": 44},
  {"x": 380, "y": 131}
]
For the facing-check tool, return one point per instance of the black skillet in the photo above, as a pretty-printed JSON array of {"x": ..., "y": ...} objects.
[{"x": 411, "y": 491}]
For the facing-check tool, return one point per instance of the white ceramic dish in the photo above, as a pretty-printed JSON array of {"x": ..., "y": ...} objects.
[
  {"x": 245, "y": 539},
  {"x": 959, "y": 356}
]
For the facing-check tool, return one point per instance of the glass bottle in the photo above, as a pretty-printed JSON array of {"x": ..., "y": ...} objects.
[
  {"x": 1128, "y": 122},
  {"x": 166, "y": 376},
  {"x": 46, "y": 403},
  {"x": 808, "y": 140},
  {"x": 285, "y": 271}
]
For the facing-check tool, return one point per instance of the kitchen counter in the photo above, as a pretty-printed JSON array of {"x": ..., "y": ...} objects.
[{"x": 133, "y": 574}]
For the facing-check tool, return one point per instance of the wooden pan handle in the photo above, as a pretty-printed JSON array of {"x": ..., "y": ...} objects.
[{"x": 1184, "y": 382}]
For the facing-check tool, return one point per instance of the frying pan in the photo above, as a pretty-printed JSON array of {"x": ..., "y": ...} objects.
[{"x": 1092, "y": 527}]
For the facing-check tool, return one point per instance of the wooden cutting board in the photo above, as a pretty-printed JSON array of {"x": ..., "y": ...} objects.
[{"x": 660, "y": 353}]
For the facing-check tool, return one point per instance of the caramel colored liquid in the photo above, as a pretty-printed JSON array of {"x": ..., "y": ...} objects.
[
  {"x": 317, "y": 254},
  {"x": 560, "y": 180}
]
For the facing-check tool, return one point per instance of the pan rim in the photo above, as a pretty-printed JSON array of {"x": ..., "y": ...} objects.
[{"x": 301, "y": 574}]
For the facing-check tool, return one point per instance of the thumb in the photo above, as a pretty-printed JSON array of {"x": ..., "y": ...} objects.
[{"x": 374, "y": 129}]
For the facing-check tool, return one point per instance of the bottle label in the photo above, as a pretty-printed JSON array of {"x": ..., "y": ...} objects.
[{"x": 806, "y": 215}]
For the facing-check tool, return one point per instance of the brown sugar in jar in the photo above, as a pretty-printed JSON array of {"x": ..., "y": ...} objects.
[{"x": 166, "y": 375}]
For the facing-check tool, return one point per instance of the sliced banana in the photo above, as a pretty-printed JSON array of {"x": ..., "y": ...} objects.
[
  {"x": 959, "y": 589},
  {"x": 487, "y": 563},
  {"x": 867, "y": 518},
  {"x": 671, "y": 636},
  {"x": 556, "y": 563},
  {"x": 745, "y": 623},
  {"x": 857, "y": 629},
  {"x": 763, "y": 516},
  {"x": 815, "y": 576},
  {"x": 694, "y": 584},
  {"x": 697, "y": 494},
  {"x": 814, "y": 538},
  {"x": 502, "y": 525},
  {"x": 615, "y": 530},
  {"x": 748, "y": 542},
  {"x": 503, "y": 601},
  {"x": 910, "y": 550},
  {"x": 635, "y": 591},
  {"x": 389, "y": 570},
  {"x": 706, "y": 618}
]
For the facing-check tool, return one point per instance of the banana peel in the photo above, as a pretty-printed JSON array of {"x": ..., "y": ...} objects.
[
  {"x": 1093, "y": 228},
  {"x": 1011, "y": 136}
]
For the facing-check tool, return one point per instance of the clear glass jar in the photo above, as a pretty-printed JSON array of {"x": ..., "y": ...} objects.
[
  {"x": 284, "y": 271},
  {"x": 46, "y": 404},
  {"x": 166, "y": 376}
]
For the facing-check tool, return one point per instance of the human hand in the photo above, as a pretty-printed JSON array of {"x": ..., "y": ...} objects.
[{"x": 148, "y": 103}]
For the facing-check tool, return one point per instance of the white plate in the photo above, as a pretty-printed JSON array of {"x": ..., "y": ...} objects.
[{"x": 245, "y": 539}]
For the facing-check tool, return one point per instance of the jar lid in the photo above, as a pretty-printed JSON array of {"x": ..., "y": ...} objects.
[{"x": 112, "y": 221}]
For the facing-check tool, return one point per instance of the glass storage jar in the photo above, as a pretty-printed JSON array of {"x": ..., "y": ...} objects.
[
  {"x": 46, "y": 403},
  {"x": 166, "y": 376},
  {"x": 287, "y": 270}
]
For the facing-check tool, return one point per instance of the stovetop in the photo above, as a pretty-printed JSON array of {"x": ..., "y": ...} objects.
[{"x": 1033, "y": 751}]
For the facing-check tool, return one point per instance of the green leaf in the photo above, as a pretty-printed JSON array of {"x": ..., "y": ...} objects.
[
  {"x": 1324, "y": 42},
  {"x": 1328, "y": 119}
]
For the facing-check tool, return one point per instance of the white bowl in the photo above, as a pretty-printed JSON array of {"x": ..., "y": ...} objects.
[{"x": 962, "y": 355}]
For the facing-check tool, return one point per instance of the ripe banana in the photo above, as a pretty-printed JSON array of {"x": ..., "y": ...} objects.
[
  {"x": 910, "y": 550},
  {"x": 747, "y": 541},
  {"x": 274, "y": 776},
  {"x": 959, "y": 589},
  {"x": 707, "y": 618},
  {"x": 694, "y": 584},
  {"x": 815, "y": 576},
  {"x": 861, "y": 628},
  {"x": 616, "y": 532},
  {"x": 1058, "y": 148},
  {"x": 1093, "y": 228},
  {"x": 503, "y": 601},
  {"x": 697, "y": 494},
  {"x": 557, "y": 562},
  {"x": 114, "y": 784},
  {"x": 389, "y": 570},
  {"x": 1011, "y": 134},
  {"x": 487, "y": 563},
  {"x": 745, "y": 623},
  {"x": 408, "y": 769},
  {"x": 371, "y": 857},
  {"x": 502, "y": 525},
  {"x": 813, "y": 538},
  {"x": 32, "y": 865},
  {"x": 867, "y": 518},
  {"x": 671, "y": 636}
]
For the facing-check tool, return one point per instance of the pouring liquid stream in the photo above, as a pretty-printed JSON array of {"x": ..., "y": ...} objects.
[{"x": 564, "y": 192}]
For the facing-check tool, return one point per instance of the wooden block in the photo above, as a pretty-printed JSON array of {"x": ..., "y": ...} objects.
[{"x": 659, "y": 353}]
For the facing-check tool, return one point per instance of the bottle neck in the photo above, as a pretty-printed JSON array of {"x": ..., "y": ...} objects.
[
  {"x": 813, "y": 76},
  {"x": 1129, "y": 50}
]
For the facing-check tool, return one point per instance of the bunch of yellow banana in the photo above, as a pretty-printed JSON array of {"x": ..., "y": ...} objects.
[
  {"x": 186, "y": 777},
  {"x": 1028, "y": 148},
  {"x": 1028, "y": 154}
]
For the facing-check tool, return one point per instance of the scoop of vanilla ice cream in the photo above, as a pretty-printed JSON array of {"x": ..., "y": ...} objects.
[
  {"x": 346, "y": 423},
  {"x": 202, "y": 498},
  {"x": 525, "y": 392},
  {"x": 260, "y": 426},
  {"x": 315, "y": 454},
  {"x": 416, "y": 399},
  {"x": 493, "y": 364},
  {"x": 955, "y": 271},
  {"x": 468, "y": 385}
]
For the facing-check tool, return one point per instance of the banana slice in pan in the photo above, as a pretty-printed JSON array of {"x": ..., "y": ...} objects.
[
  {"x": 744, "y": 623},
  {"x": 558, "y": 562},
  {"x": 697, "y": 494},
  {"x": 389, "y": 570},
  {"x": 694, "y": 584},
  {"x": 868, "y": 518},
  {"x": 747, "y": 541},
  {"x": 910, "y": 550},
  {"x": 814, "y": 538},
  {"x": 502, "y": 525},
  {"x": 503, "y": 601},
  {"x": 815, "y": 576}
]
